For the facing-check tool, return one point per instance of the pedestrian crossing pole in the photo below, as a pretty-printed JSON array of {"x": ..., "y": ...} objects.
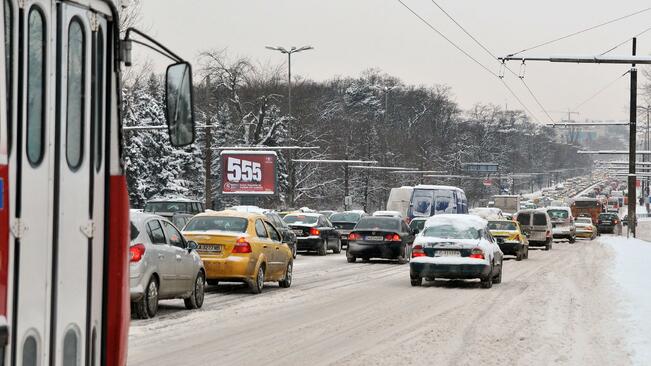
[{"x": 632, "y": 144}]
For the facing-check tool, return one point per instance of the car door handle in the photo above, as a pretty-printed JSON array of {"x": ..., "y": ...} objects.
[
  {"x": 178, "y": 258},
  {"x": 277, "y": 248},
  {"x": 161, "y": 256},
  {"x": 264, "y": 246}
]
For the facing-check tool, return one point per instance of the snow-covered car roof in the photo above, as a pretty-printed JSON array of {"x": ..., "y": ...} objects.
[
  {"x": 457, "y": 220},
  {"x": 172, "y": 199},
  {"x": 564, "y": 208},
  {"x": 254, "y": 209},
  {"x": 487, "y": 212},
  {"x": 387, "y": 213},
  {"x": 429, "y": 186},
  {"x": 308, "y": 214}
]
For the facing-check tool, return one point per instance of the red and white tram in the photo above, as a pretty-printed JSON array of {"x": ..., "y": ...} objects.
[{"x": 64, "y": 225}]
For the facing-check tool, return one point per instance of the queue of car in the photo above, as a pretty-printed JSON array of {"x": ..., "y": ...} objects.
[{"x": 434, "y": 233}]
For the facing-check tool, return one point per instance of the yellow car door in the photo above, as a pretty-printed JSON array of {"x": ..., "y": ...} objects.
[
  {"x": 267, "y": 249},
  {"x": 280, "y": 253}
]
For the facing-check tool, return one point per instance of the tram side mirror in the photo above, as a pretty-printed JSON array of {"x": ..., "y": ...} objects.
[{"x": 178, "y": 103}]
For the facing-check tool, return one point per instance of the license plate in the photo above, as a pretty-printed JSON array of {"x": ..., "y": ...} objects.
[
  {"x": 209, "y": 248},
  {"x": 606, "y": 222},
  {"x": 298, "y": 232},
  {"x": 374, "y": 238},
  {"x": 448, "y": 253}
]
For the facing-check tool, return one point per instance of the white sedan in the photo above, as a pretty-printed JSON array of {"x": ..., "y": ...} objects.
[{"x": 456, "y": 247}]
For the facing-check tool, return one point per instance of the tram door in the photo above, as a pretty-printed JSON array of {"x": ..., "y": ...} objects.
[{"x": 59, "y": 201}]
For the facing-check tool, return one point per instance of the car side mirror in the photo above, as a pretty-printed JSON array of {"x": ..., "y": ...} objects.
[
  {"x": 192, "y": 245},
  {"x": 178, "y": 104}
]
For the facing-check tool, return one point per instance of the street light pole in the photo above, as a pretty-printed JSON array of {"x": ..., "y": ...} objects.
[{"x": 289, "y": 70}]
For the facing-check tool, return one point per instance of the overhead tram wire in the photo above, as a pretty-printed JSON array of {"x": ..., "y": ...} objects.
[
  {"x": 625, "y": 42},
  {"x": 535, "y": 98},
  {"x": 429, "y": 25},
  {"x": 581, "y": 31},
  {"x": 599, "y": 91}
]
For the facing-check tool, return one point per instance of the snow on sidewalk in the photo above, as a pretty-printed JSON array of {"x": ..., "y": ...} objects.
[{"x": 631, "y": 273}]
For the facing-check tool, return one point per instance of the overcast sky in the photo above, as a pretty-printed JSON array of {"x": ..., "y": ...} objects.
[{"x": 350, "y": 36}]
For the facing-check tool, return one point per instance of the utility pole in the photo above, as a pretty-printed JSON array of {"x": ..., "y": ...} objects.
[
  {"x": 632, "y": 199},
  {"x": 207, "y": 161}
]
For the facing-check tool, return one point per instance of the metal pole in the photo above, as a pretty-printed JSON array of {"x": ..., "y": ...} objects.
[
  {"x": 345, "y": 186},
  {"x": 289, "y": 84},
  {"x": 208, "y": 157},
  {"x": 632, "y": 188}
]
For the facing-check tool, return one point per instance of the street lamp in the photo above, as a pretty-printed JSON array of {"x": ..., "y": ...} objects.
[{"x": 289, "y": 72}]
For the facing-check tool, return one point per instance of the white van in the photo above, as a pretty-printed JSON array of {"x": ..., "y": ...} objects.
[{"x": 400, "y": 200}]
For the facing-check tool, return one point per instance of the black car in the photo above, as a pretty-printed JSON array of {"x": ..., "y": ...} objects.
[
  {"x": 314, "y": 232},
  {"x": 345, "y": 222},
  {"x": 609, "y": 223},
  {"x": 288, "y": 236},
  {"x": 380, "y": 237}
]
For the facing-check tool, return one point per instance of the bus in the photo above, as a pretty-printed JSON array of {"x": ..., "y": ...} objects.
[
  {"x": 64, "y": 208},
  {"x": 429, "y": 200},
  {"x": 585, "y": 206}
]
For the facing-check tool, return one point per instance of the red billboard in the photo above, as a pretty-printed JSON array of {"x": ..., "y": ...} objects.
[{"x": 248, "y": 172}]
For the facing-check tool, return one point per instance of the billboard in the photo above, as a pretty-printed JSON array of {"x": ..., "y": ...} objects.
[{"x": 248, "y": 172}]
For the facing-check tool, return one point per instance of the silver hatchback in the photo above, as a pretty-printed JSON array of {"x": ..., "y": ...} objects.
[{"x": 163, "y": 265}]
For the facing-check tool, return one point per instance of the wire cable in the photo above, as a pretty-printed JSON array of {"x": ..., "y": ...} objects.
[
  {"x": 448, "y": 39},
  {"x": 626, "y": 41},
  {"x": 581, "y": 31},
  {"x": 429, "y": 25},
  {"x": 535, "y": 98},
  {"x": 599, "y": 91}
]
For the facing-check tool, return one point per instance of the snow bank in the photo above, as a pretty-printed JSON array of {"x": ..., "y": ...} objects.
[{"x": 631, "y": 272}]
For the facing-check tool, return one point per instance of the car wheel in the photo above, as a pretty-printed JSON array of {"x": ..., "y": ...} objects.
[
  {"x": 572, "y": 239},
  {"x": 337, "y": 249},
  {"x": 323, "y": 249},
  {"x": 498, "y": 279},
  {"x": 349, "y": 257},
  {"x": 139, "y": 309},
  {"x": 416, "y": 281},
  {"x": 487, "y": 282},
  {"x": 257, "y": 284},
  {"x": 548, "y": 245},
  {"x": 403, "y": 258},
  {"x": 526, "y": 253},
  {"x": 520, "y": 255},
  {"x": 195, "y": 300},
  {"x": 366, "y": 260},
  {"x": 147, "y": 307},
  {"x": 287, "y": 281},
  {"x": 294, "y": 251}
]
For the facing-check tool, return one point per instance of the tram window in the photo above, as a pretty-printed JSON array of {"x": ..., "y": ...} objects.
[
  {"x": 9, "y": 46},
  {"x": 30, "y": 351},
  {"x": 35, "y": 86},
  {"x": 99, "y": 98},
  {"x": 75, "y": 99},
  {"x": 70, "y": 352}
]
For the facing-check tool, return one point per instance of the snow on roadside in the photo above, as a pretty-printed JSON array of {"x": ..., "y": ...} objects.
[{"x": 632, "y": 258}]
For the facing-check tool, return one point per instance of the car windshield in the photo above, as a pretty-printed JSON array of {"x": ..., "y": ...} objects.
[
  {"x": 345, "y": 217},
  {"x": 501, "y": 225},
  {"x": 217, "y": 223},
  {"x": 378, "y": 223},
  {"x": 607, "y": 216},
  {"x": 301, "y": 219},
  {"x": 167, "y": 207},
  {"x": 449, "y": 231},
  {"x": 417, "y": 225},
  {"x": 558, "y": 214}
]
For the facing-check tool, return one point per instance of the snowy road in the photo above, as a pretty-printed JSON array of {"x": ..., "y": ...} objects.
[{"x": 557, "y": 307}]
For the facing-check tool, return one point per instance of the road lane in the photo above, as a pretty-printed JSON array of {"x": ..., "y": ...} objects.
[{"x": 551, "y": 309}]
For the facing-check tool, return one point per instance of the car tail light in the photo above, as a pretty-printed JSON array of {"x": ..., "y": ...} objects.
[
  {"x": 136, "y": 252},
  {"x": 417, "y": 251},
  {"x": 314, "y": 231},
  {"x": 616, "y": 222},
  {"x": 242, "y": 246},
  {"x": 549, "y": 233},
  {"x": 392, "y": 237},
  {"x": 477, "y": 254},
  {"x": 354, "y": 236}
]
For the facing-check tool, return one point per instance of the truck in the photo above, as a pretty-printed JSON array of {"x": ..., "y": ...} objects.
[{"x": 508, "y": 203}]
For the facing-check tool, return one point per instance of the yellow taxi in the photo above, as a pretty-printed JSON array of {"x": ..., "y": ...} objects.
[
  {"x": 510, "y": 238},
  {"x": 240, "y": 247}
]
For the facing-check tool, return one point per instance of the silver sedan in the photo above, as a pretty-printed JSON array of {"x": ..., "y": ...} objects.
[{"x": 163, "y": 265}]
